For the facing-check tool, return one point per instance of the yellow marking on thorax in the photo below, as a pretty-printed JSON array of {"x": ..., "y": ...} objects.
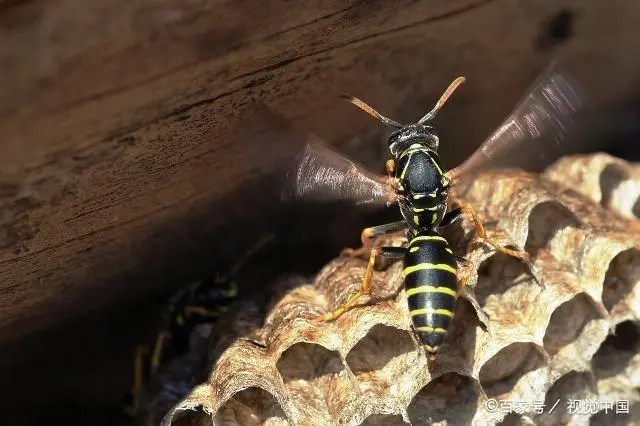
[
  {"x": 438, "y": 330},
  {"x": 422, "y": 266},
  {"x": 427, "y": 238},
  {"x": 434, "y": 218},
  {"x": 404, "y": 171},
  {"x": 431, "y": 289},
  {"x": 425, "y": 311},
  {"x": 413, "y": 148},
  {"x": 416, "y": 220},
  {"x": 429, "y": 348},
  {"x": 414, "y": 249},
  {"x": 448, "y": 250},
  {"x": 417, "y": 210}
]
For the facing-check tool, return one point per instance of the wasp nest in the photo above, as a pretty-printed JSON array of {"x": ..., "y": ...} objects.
[{"x": 573, "y": 338}]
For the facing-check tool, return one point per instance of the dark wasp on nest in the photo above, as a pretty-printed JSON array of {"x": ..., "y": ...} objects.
[{"x": 434, "y": 277}]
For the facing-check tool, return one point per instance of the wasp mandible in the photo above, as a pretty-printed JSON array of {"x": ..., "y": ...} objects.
[{"x": 434, "y": 277}]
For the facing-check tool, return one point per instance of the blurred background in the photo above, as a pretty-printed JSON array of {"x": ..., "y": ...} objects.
[{"x": 139, "y": 142}]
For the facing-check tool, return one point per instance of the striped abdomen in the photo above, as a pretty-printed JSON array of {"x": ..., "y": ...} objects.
[{"x": 431, "y": 286}]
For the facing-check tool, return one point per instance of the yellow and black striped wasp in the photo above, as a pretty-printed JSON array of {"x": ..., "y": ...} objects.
[
  {"x": 199, "y": 303},
  {"x": 433, "y": 276}
]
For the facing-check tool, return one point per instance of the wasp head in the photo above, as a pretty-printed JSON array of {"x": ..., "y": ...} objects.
[{"x": 411, "y": 134}]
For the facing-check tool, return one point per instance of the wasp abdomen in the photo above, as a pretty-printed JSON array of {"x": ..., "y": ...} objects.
[{"x": 431, "y": 286}]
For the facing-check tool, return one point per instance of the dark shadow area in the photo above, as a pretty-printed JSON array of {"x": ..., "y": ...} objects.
[
  {"x": 622, "y": 130},
  {"x": 451, "y": 397},
  {"x": 307, "y": 361},
  {"x": 615, "y": 353},
  {"x": 381, "y": 344},
  {"x": 195, "y": 417},
  {"x": 501, "y": 373},
  {"x": 384, "y": 420},
  {"x": 567, "y": 323},
  {"x": 621, "y": 277}
]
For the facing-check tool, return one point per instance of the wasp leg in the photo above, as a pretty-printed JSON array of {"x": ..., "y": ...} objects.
[
  {"x": 137, "y": 387},
  {"x": 369, "y": 235},
  {"x": 466, "y": 269},
  {"x": 388, "y": 252},
  {"x": 390, "y": 167},
  {"x": 156, "y": 357},
  {"x": 455, "y": 215},
  {"x": 203, "y": 314}
]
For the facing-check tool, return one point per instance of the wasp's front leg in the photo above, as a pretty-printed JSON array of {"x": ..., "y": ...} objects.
[{"x": 365, "y": 287}]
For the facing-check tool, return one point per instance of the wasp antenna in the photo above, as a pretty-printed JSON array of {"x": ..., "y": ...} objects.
[
  {"x": 372, "y": 112},
  {"x": 452, "y": 87}
]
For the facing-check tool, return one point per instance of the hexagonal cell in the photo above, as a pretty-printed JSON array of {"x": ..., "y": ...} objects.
[
  {"x": 197, "y": 417},
  {"x": 567, "y": 323},
  {"x": 572, "y": 386},
  {"x": 252, "y": 406},
  {"x": 497, "y": 274},
  {"x": 450, "y": 398},
  {"x": 500, "y": 374},
  {"x": 384, "y": 420},
  {"x": 616, "y": 351},
  {"x": 513, "y": 419},
  {"x": 378, "y": 348},
  {"x": 307, "y": 361},
  {"x": 621, "y": 278},
  {"x": 610, "y": 178},
  {"x": 548, "y": 221}
]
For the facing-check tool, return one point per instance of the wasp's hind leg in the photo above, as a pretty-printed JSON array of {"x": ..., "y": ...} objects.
[
  {"x": 456, "y": 214},
  {"x": 137, "y": 387},
  {"x": 466, "y": 269},
  {"x": 369, "y": 235},
  {"x": 388, "y": 252}
]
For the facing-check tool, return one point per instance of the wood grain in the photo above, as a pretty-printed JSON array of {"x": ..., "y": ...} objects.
[{"x": 120, "y": 121}]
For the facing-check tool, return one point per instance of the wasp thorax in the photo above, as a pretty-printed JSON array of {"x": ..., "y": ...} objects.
[{"x": 410, "y": 134}]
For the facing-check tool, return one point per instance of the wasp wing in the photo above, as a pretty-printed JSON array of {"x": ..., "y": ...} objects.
[
  {"x": 322, "y": 174},
  {"x": 547, "y": 112}
]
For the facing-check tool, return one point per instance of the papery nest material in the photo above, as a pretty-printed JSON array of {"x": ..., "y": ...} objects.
[{"x": 540, "y": 345}]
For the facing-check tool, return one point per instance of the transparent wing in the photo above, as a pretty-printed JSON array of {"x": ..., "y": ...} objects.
[
  {"x": 322, "y": 174},
  {"x": 547, "y": 112}
]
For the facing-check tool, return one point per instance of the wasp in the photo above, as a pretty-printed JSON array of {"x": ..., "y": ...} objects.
[
  {"x": 199, "y": 303},
  {"x": 434, "y": 277}
]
